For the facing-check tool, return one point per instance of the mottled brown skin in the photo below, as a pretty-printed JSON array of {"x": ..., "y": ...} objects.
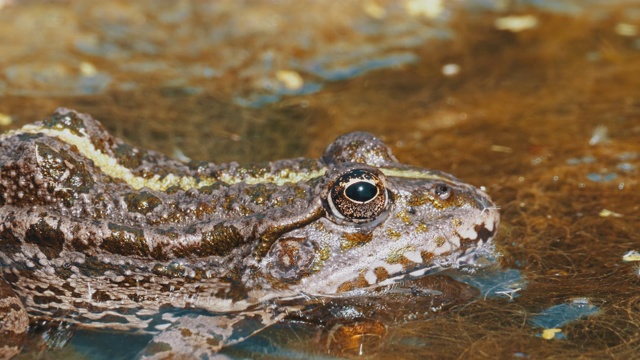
[
  {"x": 13, "y": 322},
  {"x": 98, "y": 232}
]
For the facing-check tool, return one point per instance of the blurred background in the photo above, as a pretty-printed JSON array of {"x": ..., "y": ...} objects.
[{"x": 538, "y": 101}]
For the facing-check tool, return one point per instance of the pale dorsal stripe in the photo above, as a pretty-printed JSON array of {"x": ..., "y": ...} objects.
[
  {"x": 412, "y": 174},
  {"x": 112, "y": 168}
]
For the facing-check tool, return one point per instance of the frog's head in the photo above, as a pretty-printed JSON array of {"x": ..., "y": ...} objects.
[{"x": 381, "y": 222}]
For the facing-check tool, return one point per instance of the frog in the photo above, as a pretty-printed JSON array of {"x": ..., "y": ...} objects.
[{"x": 102, "y": 234}]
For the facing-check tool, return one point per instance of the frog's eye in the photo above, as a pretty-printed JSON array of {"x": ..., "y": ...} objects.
[{"x": 358, "y": 196}]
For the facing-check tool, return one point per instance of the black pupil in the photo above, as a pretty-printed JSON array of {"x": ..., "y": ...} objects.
[
  {"x": 361, "y": 191},
  {"x": 442, "y": 189}
]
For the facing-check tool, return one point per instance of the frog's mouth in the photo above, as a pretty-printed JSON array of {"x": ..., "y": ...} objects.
[
  {"x": 479, "y": 247},
  {"x": 380, "y": 273}
]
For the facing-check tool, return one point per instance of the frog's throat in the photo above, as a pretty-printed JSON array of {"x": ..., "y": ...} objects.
[{"x": 109, "y": 166}]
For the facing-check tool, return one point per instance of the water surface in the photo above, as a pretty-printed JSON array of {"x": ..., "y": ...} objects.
[{"x": 545, "y": 114}]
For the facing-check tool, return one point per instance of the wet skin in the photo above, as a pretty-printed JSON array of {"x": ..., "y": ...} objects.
[{"x": 100, "y": 233}]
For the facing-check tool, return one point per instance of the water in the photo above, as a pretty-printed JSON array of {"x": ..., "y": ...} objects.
[{"x": 546, "y": 118}]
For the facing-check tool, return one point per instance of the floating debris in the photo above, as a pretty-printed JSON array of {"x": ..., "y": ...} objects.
[
  {"x": 290, "y": 79},
  {"x": 606, "y": 177},
  {"x": 553, "y": 318},
  {"x": 450, "y": 69},
  {"x": 626, "y": 167},
  {"x": 600, "y": 135},
  {"x": 516, "y": 23},
  {"x": 88, "y": 69},
  {"x": 494, "y": 283},
  {"x": 428, "y": 8},
  {"x": 632, "y": 255},
  {"x": 582, "y": 160},
  {"x": 549, "y": 334},
  {"x": 607, "y": 213},
  {"x": 500, "y": 148},
  {"x": 624, "y": 29},
  {"x": 5, "y": 119}
]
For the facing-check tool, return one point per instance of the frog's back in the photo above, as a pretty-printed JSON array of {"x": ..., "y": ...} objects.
[{"x": 90, "y": 222}]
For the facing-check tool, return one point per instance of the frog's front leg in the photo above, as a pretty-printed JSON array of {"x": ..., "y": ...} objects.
[
  {"x": 202, "y": 336},
  {"x": 14, "y": 322}
]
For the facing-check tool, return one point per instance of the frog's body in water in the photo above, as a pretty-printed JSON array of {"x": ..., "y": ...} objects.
[{"x": 98, "y": 232}]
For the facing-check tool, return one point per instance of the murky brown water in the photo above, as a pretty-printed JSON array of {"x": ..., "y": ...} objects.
[{"x": 518, "y": 118}]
